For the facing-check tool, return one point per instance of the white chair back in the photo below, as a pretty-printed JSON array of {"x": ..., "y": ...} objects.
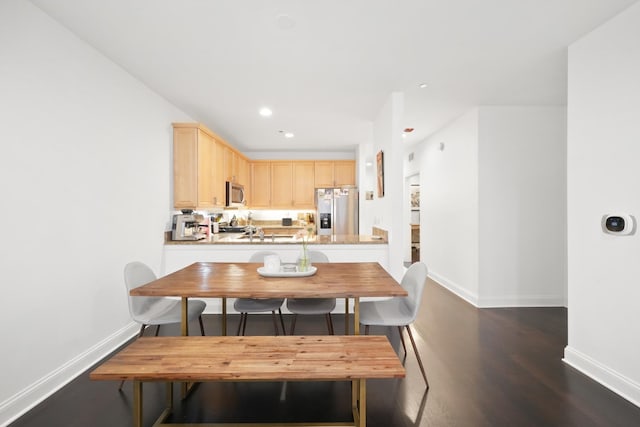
[
  {"x": 413, "y": 282},
  {"x": 138, "y": 274},
  {"x": 317, "y": 256},
  {"x": 259, "y": 256}
]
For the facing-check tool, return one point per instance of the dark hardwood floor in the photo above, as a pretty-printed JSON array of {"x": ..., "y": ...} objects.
[{"x": 488, "y": 367}]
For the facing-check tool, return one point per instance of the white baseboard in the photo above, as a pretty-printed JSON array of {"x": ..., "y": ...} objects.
[
  {"x": 606, "y": 376},
  {"x": 456, "y": 289},
  {"x": 499, "y": 301},
  {"x": 32, "y": 395},
  {"x": 523, "y": 301}
]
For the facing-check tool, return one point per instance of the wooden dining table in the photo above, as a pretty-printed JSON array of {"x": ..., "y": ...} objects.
[{"x": 349, "y": 280}]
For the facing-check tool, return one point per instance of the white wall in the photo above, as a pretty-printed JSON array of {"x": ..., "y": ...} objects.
[
  {"x": 492, "y": 214},
  {"x": 522, "y": 196},
  {"x": 449, "y": 206},
  {"x": 604, "y": 177},
  {"x": 366, "y": 182},
  {"x": 85, "y": 183},
  {"x": 387, "y": 210}
]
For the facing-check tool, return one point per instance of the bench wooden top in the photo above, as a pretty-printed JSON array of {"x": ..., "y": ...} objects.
[
  {"x": 255, "y": 358},
  {"x": 241, "y": 280}
]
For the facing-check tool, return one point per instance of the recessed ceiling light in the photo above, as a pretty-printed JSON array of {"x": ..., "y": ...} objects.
[
  {"x": 423, "y": 85},
  {"x": 265, "y": 112},
  {"x": 288, "y": 135}
]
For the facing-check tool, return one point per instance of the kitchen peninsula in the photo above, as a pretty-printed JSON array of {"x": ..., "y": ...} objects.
[{"x": 236, "y": 247}]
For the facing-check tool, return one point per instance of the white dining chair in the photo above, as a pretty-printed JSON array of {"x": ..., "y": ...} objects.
[
  {"x": 312, "y": 306},
  {"x": 156, "y": 311},
  {"x": 399, "y": 311},
  {"x": 148, "y": 311},
  {"x": 259, "y": 305}
]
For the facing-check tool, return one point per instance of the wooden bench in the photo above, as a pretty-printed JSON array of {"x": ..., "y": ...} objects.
[{"x": 256, "y": 358}]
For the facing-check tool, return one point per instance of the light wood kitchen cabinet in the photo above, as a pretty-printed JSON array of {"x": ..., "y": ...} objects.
[
  {"x": 323, "y": 174},
  {"x": 260, "y": 185},
  {"x": 219, "y": 173},
  {"x": 334, "y": 173},
  {"x": 193, "y": 158},
  {"x": 281, "y": 185},
  {"x": 232, "y": 166},
  {"x": 303, "y": 185},
  {"x": 290, "y": 184},
  {"x": 202, "y": 163},
  {"x": 344, "y": 172},
  {"x": 244, "y": 177}
]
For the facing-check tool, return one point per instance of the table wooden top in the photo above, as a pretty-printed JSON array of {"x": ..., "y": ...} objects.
[
  {"x": 255, "y": 358},
  {"x": 241, "y": 280}
]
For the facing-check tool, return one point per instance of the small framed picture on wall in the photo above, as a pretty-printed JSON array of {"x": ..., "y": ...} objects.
[{"x": 380, "y": 170}]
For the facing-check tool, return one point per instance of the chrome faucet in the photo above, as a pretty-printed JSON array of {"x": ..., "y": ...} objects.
[{"x": 250, "y": 227}]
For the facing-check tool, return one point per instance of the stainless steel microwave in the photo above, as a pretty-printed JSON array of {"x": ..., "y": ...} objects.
[{"x": 234, "y": 195}]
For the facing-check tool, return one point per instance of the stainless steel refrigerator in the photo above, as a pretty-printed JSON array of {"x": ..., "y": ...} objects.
[{"x": 337, "y": 211}]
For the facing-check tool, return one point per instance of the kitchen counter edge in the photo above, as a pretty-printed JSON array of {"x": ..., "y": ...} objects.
[{"x": 223, "y": 239}]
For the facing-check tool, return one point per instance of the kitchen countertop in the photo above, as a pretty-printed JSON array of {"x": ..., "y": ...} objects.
[{"x": 237, "y": 238}]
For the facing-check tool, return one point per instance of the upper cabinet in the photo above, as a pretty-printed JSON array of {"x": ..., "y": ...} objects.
[
  {"x": 202, "y": 162},
  {"x": 260, "y": 185},
  {"x": 303, "y": 185},
  {"x": 193, "y": 166},
  {"x": 283, "y": 184},
  {"x": 334, "y": 173}
]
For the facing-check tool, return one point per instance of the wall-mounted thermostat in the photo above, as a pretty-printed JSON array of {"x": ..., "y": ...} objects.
[{"x": 619, "y": 224}]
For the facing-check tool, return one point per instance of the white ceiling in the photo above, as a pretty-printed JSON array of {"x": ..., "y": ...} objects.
[{"x": 326, "y": 67}]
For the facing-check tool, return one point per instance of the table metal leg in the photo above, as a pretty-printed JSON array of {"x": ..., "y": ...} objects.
[
  {"x": 224, "y": 316},
  {"x": 346, "y": 316},
  {"x": 169, "y": 396},
  {"x": 363, "y": 402},
  {"x": 356, "y": 316},
  {"x": 137, "y": 403},
  {"x": 184, "y": 326},
  {"x": 359, "y": 402}
]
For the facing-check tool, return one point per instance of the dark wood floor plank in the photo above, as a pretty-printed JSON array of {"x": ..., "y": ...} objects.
[{"x": 486, "y": 367}]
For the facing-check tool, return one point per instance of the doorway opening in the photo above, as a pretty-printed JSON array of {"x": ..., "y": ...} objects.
[{"x": 412, "y": 251}]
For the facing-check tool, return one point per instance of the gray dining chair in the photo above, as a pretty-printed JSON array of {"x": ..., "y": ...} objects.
[
  {"x": 399, "y": 311},
  {"x": 149, "y": 311},
  {"x": 259, "y": 305},
  {"x": 312, "y": 306}
]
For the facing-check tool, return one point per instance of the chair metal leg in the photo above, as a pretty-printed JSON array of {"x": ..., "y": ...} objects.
[
  {"x": 240, "y": 324},
  {"x": 293, "y": 324},
  {"x": 329, "y": 323},
  {"x": 275, "y": 322},
  {"x": 201, "y": 325},
  {"x": 284, "y": 331},
  {"x": 366, "y": 330},
  {"x": 415, "y": 349},
  {"x": 404, "y": 347},
  {"x": 157, "y": 329}
]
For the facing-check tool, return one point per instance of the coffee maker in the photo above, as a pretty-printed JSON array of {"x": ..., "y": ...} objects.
[{"x": 187, "y": 227}]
